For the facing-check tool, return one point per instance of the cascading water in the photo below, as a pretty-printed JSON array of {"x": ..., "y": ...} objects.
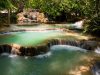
[
  {"x": 56, "y": 57},
  {"x": 80, "y": 44},
  {"x": 60, "y": 60},
  {"x": 97, "y": 50}
]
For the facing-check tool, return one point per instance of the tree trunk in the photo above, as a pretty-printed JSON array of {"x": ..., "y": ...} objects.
[{"x": 8, "y": 17}]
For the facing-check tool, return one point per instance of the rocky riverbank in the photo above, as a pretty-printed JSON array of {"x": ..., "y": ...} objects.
[{"x": 40, "y": 49}]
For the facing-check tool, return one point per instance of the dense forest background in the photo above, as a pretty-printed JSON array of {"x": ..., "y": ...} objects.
[{"x": 59, "y": 11}]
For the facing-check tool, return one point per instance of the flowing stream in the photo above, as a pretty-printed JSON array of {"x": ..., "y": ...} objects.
[
  {"x": 55, "y": 62},
  {"x": 60, "y": 60}
]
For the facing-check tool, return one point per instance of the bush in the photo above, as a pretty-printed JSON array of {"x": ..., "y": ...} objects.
[{"x": 93, "y": 26}]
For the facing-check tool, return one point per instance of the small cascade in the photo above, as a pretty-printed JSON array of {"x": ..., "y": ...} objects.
[
  {"x": 88, "y": 45},
  {"x": 60, "y": 41},
  {"x": 16, "y": 49},
  {"x": 5, "y": 48},
  {"x": 79, "y": 24},
  {"x": 63, "y": 42},
  {"x": 97, "y": 50}
]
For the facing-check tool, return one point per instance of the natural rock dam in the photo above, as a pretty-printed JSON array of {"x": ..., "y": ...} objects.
[{"x": 45, "y": 53}]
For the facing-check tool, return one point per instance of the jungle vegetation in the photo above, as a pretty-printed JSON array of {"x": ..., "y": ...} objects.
[{"x": 61, "y": 10}]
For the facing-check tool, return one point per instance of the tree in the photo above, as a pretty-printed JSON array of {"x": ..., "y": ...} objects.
[{"x": 6, "y": 4}]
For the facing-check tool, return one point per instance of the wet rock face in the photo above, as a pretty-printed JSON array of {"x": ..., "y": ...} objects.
[
  {"x": 85, "y": 44},
  {"x": 89, "y": 45},
  {"x": 23, "y": 51},
  {"x": 42, "y": 49},
  {"x": 5, "y": 48},
  {"x": 32, "y": 51},
  {"x": 31, "y": 16}
]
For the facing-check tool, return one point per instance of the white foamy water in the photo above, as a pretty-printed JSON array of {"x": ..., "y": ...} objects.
[
  {"x": 26, "y": 57},
  {"x": 97, "y": 50},
  {"x": 67, "y": 47},
  {"x": 12, "y": 55},
  {"x": 9, "y": 55},
  {"x": 78, "y": 24},
  {"x": 44, "y": 55},
  {"x": 5, "y": 54}
]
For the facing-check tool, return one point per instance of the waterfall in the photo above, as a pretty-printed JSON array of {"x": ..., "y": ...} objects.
[
  {"x": 44, "y": 48},
  {"x": 5, "y": 48},
  {"x": 79, "y": 24},
  {"x": 63, "y": 42},
  {"x": 88, "y": 45},
  {"x": 97, "y": 50}
]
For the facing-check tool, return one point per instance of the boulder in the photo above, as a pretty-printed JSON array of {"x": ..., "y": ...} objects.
[
  {"x": 22, "y": 51},
  {"x": 15, "y": 49},
  {"x": 89, "y": 45}
]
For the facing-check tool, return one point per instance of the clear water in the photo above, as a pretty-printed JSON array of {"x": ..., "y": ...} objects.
[
  {"x": 56, "y": 62},
  {"x": 59, "y": 61},
  {"x": 28, "y": 38}
]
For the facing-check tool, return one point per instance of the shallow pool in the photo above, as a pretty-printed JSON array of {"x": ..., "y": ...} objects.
[
  {"x": 28, "y": 38},
  {"x": 55, "y": 62}
]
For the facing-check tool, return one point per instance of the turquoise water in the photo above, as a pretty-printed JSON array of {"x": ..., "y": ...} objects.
[
  {"x": 28, "y": 38},
  {"x": 56, "y": 62},
  {"x": 59, "y": 61}
]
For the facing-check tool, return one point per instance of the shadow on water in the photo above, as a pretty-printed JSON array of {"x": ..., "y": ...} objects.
[
  {"x": 59, "y": 61},
  {"x": 55, "y": 62}
]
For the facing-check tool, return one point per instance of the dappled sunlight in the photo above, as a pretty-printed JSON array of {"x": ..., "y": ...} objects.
[
  {"x": 55, "y": 65},
  {"x": 76, "y": 35},
  {"x": 84, "y": 68},
  {"x": 79, "y": 70},
  {"x": 49, "y": 37}
]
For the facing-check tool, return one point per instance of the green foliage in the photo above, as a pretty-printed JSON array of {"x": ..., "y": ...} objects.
[
  {"x": 93, "y": 26},
  {"x": 6, "y": 4},
  {"x": 55, "y": 9}
]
